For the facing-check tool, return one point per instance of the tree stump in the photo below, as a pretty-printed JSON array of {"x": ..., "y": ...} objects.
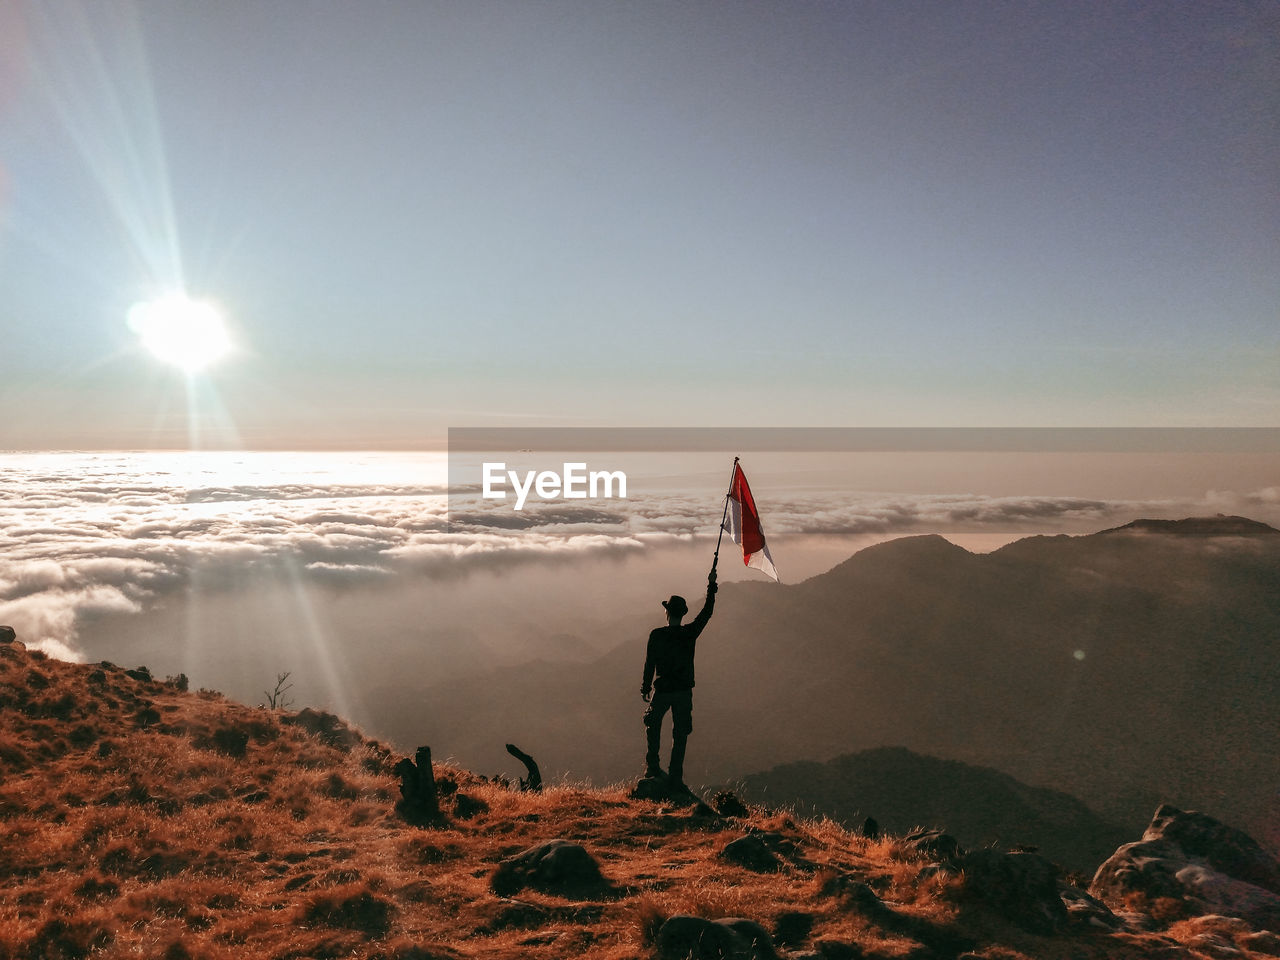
[
  {"x": 419, "y": 803},
  {"x": 534, "y": 780}
]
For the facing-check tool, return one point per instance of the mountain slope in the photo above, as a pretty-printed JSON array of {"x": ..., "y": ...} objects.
[
  {"x": 1123, "y": 668},
  {"x": 137, "y": 819},
  {"x": 904, "y": 791}
]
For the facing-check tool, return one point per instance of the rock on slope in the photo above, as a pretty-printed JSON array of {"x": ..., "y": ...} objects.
[{"x": 1198, "y": 866}]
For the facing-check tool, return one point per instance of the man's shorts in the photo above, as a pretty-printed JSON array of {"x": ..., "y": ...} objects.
[{"x": 680, "y": 703}]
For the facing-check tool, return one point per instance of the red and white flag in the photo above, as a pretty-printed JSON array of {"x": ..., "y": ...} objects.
[{"x": 742, "y": 523}]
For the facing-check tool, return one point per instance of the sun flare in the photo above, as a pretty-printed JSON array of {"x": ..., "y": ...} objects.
[{"x": 188, "y": 333}]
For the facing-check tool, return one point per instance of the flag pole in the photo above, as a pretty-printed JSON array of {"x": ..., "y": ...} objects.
[{"x": 716, "y": 559}]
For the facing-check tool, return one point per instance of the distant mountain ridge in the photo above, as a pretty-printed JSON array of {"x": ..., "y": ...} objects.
[
  {"x": 903, "y": 791},
  {"x": 1219, "y": 525},
  {"x": 1124, "y": 669}
]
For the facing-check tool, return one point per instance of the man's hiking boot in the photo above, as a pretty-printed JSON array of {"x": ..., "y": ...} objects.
[{"x": 654, "y": 773}]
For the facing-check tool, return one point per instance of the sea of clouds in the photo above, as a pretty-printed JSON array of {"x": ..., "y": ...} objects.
[{"x": 85, "y": 534}]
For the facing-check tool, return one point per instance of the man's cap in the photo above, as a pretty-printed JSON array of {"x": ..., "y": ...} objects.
[{"x": 676, "y": 605}]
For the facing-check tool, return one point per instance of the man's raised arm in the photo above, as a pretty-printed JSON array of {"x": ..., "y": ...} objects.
[{"x": 709, "y": 606}]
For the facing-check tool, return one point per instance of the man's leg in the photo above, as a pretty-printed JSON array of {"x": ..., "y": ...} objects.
[
  {"x": 653, "y": 734},
  {"x": 681, "y": 727}
]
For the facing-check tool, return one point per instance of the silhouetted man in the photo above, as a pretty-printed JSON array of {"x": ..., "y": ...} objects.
[{"x": 670, "y": 656}]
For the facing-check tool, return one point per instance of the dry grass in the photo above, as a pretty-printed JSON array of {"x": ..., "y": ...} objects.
[{"x": 137, "y": 819}]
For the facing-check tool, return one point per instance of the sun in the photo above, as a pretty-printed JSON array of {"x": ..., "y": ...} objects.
[{"x": 188, "y": 333}]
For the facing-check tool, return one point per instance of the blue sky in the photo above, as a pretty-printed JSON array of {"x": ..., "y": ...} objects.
[{"x": 418, "y": 215}]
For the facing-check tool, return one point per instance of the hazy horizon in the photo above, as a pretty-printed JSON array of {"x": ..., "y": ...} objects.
[{"x": 232, "y": 566}]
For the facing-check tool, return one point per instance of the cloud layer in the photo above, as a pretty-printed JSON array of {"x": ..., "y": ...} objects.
[{"x": 89, "y": 534}]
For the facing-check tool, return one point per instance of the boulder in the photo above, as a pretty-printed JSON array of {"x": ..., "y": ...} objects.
[
  {"x": 764, "y": 851},
  {"x": 1022, "y": 887},
  {"x": 759, "y": 944},
  {"x": 662, "y": 790},
  {"x": 553, "y": 866},
  {"x": 1213, "y": 923},
  {"x": 793, "y": 927},
  {"x": 8, "y": 634},
  {"x": 1223, "y": 894},
  {"x": 932, "y": 845},
  {"x": 651, "y": 788},
  {"x": 466, "y": 806},
  {"x": 1223, "y": 848},
  {"x": 855, "y": 891},
  {"x": 1086, "y": 910},
  {"x": 1264, "y": 942},
  {"x": 858, "y": 896},
  {"x": 1205, "y": 865},
  {"x": 685, "y": 937},
  {"x": 1213, "y": 945},
  {"x": 752, "y": 853},
  {"x": 701, "y": 814}
]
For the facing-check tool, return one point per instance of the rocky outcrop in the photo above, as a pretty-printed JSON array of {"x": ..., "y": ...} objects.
[
  {"x": 1206, "y": 866},
  {"x": 553, "y": 866},
  {"x": 933, "y": 845},
  {"x": 857, "y": 896},
  {"x": 685, "y": 937},
  {"x": 1022, "y": 887},
  {"x": 751, "y": 853},
  {"x": 764, "y": 851},
  {"x": 661, "y": 790},
  {"x": 10, "y": 645},
  {"x": 1085, "y": 910},
  {"x": 1224, "y": 848}
]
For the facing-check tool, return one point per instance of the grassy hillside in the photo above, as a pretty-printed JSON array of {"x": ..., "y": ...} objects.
[{"x": 141, "y": 820}]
